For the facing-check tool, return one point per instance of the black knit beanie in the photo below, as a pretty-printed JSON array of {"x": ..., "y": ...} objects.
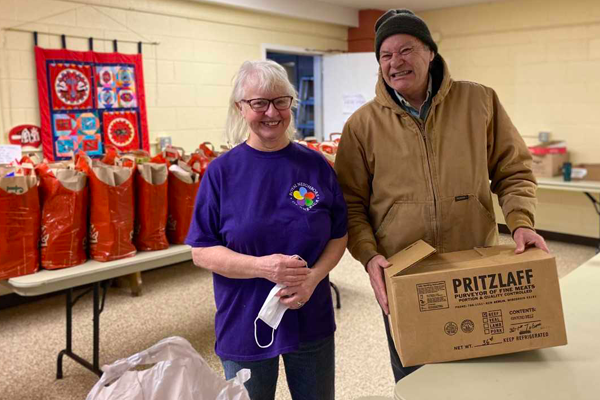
[{"x": 402, "y": 21}]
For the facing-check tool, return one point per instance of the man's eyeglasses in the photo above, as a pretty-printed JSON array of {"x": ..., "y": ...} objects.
[
  {"x": 404, "y": 52},
  {"x": 261, "y": 105}
]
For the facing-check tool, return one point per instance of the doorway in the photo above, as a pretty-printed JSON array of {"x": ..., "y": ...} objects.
[{"x": 304, "y": 73}]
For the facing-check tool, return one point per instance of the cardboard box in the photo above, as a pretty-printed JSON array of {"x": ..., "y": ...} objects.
[
  {"x": 548, "y": 158},
  {"x": 548, "y": 165},
  {"x": 592, "y": 172},
  {"x": 473, "y": 303}
]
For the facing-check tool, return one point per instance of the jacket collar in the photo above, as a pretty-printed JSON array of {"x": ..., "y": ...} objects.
[{"x": 441, "y": 86}]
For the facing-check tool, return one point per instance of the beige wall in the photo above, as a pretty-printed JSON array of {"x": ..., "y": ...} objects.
[
  {"x": 543, "y": 59},
  {"x": 542, "y": 56},
  {"x": 188, "y": 75}
]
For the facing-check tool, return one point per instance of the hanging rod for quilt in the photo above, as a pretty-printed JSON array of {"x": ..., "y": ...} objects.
[{"x": 80, "y": 36}]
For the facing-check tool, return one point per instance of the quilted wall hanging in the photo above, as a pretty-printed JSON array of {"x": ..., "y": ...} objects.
[{"x": 89, "y": 100}]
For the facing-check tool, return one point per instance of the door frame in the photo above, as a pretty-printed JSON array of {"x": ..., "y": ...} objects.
[{"x": 318, "y": 77}]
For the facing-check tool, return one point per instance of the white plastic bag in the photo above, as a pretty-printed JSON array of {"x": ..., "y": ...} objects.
[{"x": 179, "y": 373}]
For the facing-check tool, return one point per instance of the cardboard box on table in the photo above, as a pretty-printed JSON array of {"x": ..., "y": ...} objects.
[
  {"x": 473, "y": 303},
  {"x": 548, "y": 159}
]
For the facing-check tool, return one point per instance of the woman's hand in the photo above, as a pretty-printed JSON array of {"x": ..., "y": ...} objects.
[
  {"x": 296, "y": 296},
  {"x": 285, "y": 270}
]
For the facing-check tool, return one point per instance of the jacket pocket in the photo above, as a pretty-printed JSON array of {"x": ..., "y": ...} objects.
[
  {"x": 404, "y": 224},
  {"x": 467, "y": 223}
]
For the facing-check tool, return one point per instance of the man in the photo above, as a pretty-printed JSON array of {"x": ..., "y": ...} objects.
[{"x": 416, "y": 162}]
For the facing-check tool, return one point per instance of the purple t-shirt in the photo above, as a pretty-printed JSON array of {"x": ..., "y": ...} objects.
[{"x": 262, "y": 203}]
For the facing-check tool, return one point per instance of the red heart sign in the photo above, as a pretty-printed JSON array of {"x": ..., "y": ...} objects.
[{"x": 25, "y": 135}]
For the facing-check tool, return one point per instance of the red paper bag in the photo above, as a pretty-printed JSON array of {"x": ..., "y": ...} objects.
[
  {"x": 19, "y": 224},
  {"x": 183, "y": 185},
  {"x": 200, "y": 159},
  {"x": 151, "y": 207},
  {"x": 64, "y": 199},
  {"x": 111, "y": 210}
]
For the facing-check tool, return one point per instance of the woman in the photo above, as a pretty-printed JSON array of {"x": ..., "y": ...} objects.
[{"x": 265, "y": 211}]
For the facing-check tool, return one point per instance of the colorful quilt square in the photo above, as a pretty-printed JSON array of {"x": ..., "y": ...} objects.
[
  {"x": 90, "y": 144},
  {"x": 73, "y": 124},
  {"x": 127, "y": 98},
  {"x": 64, "y": 146},
  {"x": 88, "y": 124},
  {"x": 125, "y": 77},
  {"x": 106, "y": 76},
  {"x": 107, "y": 98},
  {"x": 63, "y": 125},
  {"x": 71, "y": 86},
  {"x": 116, "y": 87},
  {"x": 121, "y": 130},
  {"x": 107, "y": 87}
]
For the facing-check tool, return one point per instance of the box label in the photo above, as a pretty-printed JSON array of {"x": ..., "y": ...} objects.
[{"x": 432, "y": 296}]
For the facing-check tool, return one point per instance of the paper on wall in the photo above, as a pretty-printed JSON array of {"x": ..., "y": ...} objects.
[
  {"x": 9, "y": 153},
  {"x": 352, "y": 102}
]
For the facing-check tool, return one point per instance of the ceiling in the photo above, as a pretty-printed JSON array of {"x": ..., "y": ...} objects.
[
  {"x": 414, "y": 5},
  {"x": 341, "y": 12}
]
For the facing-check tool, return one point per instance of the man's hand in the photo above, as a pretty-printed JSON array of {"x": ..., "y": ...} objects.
[
  {"x": 525, "y": 237},
  {"x": 375, "y": 268}
]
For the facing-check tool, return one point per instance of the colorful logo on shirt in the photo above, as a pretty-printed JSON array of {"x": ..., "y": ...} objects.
[{"x": 304, "y": 195}]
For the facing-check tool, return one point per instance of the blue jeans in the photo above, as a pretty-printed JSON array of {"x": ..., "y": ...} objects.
[
  {"x": 310, "y": 372},
  {"x": 398, "y": 369}
]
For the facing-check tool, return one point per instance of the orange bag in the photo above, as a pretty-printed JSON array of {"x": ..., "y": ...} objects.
[
  {"x": 19, "y": 222},
  {"x": 111, "y": 209},
  {"x": 183, "y": 185},
  {"x": 200, "y": 159},
  {"x": 151, "y": 207},
  {"x": 64, "y": 199}
]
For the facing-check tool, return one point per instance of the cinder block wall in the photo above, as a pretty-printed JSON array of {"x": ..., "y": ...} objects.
[
  {"x": 543, "y": 59},
  {"x": 187, "y": 76}
]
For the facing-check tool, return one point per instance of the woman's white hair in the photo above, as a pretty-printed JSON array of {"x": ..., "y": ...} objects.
[{"x": 264, "y": 75}]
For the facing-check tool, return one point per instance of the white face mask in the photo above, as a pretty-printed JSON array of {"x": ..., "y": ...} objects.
[{"x": 272, "y": 311}]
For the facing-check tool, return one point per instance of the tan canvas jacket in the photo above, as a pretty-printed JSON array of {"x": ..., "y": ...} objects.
[{"x": 404, "y": 181}]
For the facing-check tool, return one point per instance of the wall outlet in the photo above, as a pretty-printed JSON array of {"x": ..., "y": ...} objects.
[{"x": 164, "y": 141}]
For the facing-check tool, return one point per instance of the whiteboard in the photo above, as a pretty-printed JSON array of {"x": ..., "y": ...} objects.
[{"x": 346, "y": 77}]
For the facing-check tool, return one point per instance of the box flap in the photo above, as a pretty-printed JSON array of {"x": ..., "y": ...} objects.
[
  {"x": 408, "y": 257},
  {"x": 553, "y": 147}
]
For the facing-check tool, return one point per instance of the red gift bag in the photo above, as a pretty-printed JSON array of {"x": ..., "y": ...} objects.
[
  {"x": 112, "y": 214},
  {"x": 64, "y": 199},
  {"x": 151, "y": 207},
  {"x": 183, "y": 185},
  {"x": 19, "y": 222}
]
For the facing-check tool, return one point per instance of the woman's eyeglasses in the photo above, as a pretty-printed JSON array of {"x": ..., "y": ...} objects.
[{"x": 261, "y": 105}]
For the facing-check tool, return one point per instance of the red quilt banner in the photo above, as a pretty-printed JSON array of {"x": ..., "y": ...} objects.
[{"x": 88, "y": 100}]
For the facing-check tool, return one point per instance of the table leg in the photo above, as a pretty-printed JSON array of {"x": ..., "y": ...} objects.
[
  {"x": 337, "y": 295},
  {"x": 68, "y": 351},
  {"x": 59, "y": 371},
  {"x": 596, "y": 204},
  {"x": 96, "y": 355}
]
